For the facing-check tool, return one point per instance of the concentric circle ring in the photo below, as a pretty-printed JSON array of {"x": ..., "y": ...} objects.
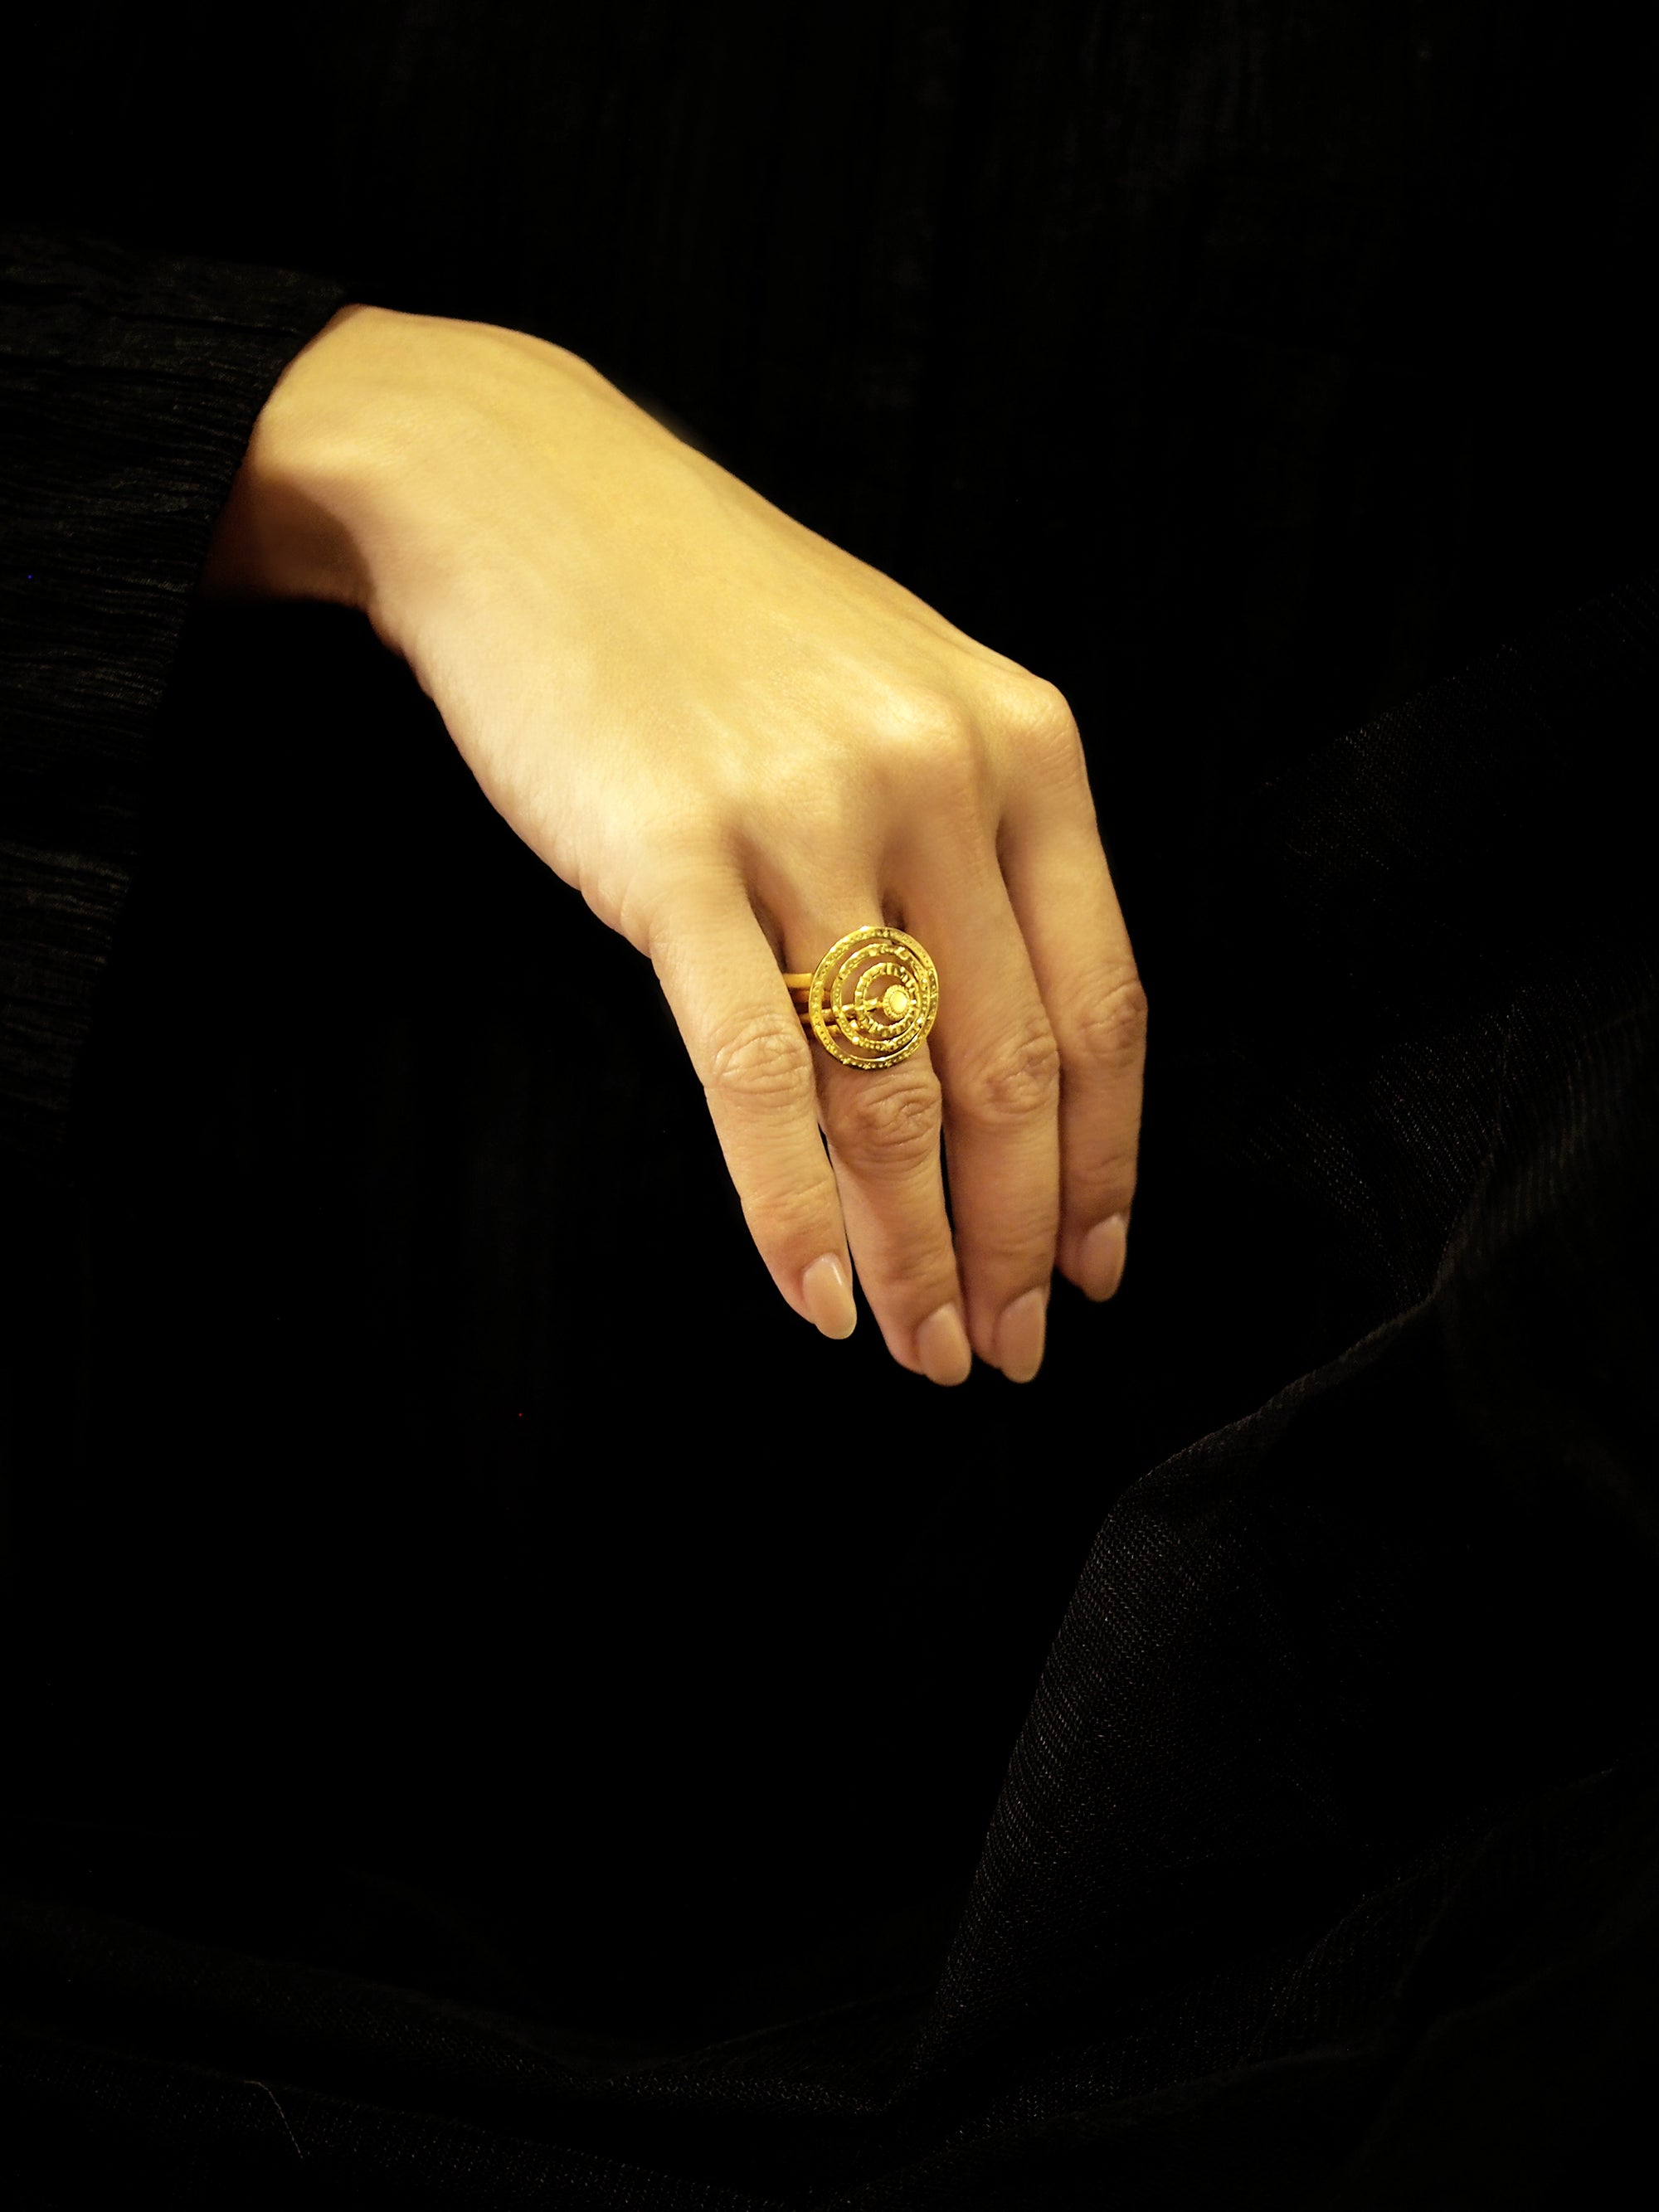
[{"x": 873, "y": 998}]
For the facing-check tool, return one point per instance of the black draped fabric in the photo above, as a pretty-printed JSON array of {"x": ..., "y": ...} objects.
[
  {"x": 132, "y": 383},
  {"x": 477, "y": 1739}
]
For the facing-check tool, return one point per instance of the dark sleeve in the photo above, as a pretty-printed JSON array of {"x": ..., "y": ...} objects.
[{"x": 129, "y": 386}]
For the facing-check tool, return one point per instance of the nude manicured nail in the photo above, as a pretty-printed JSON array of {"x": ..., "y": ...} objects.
[
  {"x": 1020, "y": 1335},
  {"x": 829, "y": 1297},
  {"x": 942, "y": 1347},
  {"x": 1100, "y": 1263}
]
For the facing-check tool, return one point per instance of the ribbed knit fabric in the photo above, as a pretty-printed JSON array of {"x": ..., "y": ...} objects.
[{"x": 129, "y": 385}]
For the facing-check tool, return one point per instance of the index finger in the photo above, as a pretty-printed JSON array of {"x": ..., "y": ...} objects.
[{"x": 728, "y": 996}]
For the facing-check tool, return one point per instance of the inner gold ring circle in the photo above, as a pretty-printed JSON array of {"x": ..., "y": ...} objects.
[{"x": 873, "y": 998}]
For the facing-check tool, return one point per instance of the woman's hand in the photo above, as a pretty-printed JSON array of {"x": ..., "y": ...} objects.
[{"x": 738, "y": 743}]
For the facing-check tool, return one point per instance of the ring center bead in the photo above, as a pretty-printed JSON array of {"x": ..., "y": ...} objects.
[{"x": 873, "y": 998}]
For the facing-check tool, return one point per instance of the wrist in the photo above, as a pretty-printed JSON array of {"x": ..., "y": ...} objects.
[
  {"x": 387, "y": 456},
  {"x": 297, "y": 524}
]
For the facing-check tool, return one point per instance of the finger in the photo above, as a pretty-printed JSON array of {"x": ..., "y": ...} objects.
[
  {"x": 999, "y": 1065},
  {"x": 728, "y": 997},
  {"x": 1060, "y": 889},
  {"x": 882, "y": 1126}
]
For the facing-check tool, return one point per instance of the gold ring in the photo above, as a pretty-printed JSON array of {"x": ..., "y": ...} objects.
[{"x": 872, "y": 999}]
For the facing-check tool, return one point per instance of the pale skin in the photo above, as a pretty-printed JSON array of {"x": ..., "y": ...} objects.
[{"x": 739, "y": 743}]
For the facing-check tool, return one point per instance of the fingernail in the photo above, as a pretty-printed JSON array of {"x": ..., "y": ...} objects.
[
  {"x": 828, "y": 1297},
  {"x": 942, "y": 1347},
  {"x": 1020, "y": 1334},
  {"x": 1105, "y": 1247}
]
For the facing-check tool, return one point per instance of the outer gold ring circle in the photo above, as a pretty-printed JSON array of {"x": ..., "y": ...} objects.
[{"x": 873, "y": 999}]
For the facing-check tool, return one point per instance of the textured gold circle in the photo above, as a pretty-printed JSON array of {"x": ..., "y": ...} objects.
[{"x": 874, "y": 997}]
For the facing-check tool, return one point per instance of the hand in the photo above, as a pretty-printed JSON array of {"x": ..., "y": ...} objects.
[{"x": 738, "y": 743}]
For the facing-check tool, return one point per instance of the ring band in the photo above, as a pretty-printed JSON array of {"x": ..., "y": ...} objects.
[{"x": 873, "y": 998}]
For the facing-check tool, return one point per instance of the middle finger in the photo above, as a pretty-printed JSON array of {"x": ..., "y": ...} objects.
[
  {"x": 883, "y": 1128},
  {"x": 999, "y": 1065}
]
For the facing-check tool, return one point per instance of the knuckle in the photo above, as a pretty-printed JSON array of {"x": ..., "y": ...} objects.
[
  {"x": 1020, "y": 1076},
  {"x": 928, "y": 755},
  {"x": 893, "y": 1124},
  {"x": 929, "y": 741},
  {"x": 1118, "y": 1175},
  {"x": 1105, "y": 1186},
  {"x": 915, "y": 1278},
  {"x": 935, "y": 723},
  {"x": 1013, "y": 1240},
  {"x": 1044, "y": 740},
  {"x": 1107, "y": 1028},
  {"x": 1042, "y": 717},
  {"x": 762, "y": 1061},
  {"x": 793, "y": 1217}
]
